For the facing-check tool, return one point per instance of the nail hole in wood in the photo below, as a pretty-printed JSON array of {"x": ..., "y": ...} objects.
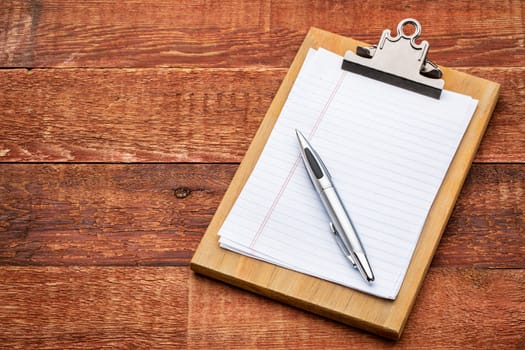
[{"x": 181, "y": 192}]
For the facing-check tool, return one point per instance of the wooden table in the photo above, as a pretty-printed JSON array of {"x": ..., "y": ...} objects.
[{"x": 122, "y": 124}]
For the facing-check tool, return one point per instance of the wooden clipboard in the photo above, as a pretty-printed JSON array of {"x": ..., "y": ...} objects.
[{"x": 383, "y": 317}]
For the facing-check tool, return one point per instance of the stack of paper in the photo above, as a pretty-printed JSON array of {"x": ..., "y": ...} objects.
[{"x": 387, "y": 149}]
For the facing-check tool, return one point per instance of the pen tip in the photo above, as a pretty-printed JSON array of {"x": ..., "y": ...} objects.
[
  {"x": 300, "y": 136},
  {"x": 369, "y": 274},
  {"x": 364, "y": 266}
]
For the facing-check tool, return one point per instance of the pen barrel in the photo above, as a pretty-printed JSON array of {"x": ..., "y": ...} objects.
[
  {"x": 346, "y": 231},
  {"x": 340, "y": 219}
]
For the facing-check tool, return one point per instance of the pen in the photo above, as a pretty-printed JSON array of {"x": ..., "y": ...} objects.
[{"x": 340, "y": 223}]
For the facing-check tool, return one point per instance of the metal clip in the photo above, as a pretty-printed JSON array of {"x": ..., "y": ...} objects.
[
  {"x": 398, "y": 61},
  {"x": 342, "y": 246}
]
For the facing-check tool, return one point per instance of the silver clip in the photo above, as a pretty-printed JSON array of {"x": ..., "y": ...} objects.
[
  {"x": 398, "y": 61},
  {"x": 342, "y": 245}
]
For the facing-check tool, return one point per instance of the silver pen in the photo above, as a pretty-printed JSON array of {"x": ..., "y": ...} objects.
[{"x": 340, "y": 223}]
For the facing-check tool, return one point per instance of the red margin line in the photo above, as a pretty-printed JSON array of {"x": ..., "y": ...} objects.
[{"x": 296, "y": 163}]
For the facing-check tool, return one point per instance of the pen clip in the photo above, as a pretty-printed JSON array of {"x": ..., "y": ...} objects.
[{"x": 342, "y": 245}]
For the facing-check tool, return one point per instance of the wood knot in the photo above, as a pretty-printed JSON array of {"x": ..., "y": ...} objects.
[{"x": 181, "y": 192}]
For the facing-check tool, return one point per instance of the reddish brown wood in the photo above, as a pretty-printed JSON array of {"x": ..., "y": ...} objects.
[
  {"x": 115, "y": 115},
  {"x": 489, "y": 213},
  {"x": 172, "y": 115},
  {"x": 506, "y": 130},
  {"x": 106, "y": 214},
  {"x": 78, "y": 308},
  {"x": 456, "y": 308},
  {"x": 169, "y": 307},
  {"x": 61, "y": 33},
  {"x": 156, "y": 214}
]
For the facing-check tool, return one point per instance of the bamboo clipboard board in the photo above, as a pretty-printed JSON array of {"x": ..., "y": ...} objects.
[{"x": 383, "y": 317}]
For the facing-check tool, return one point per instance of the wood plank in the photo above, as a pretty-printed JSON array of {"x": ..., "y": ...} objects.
[
  {"x": 108, "y": 307},
  {"x": 60, "y": 33},
  {"x": 456, "y": 308},
  {"x": 155, "y": 214},
  {"x": 106, "y": 214},
  {"x": 489, "y": 213},
  {"x": 506, "y": 129},
  {"x": 79, "y": 308},
  {"x": 132, "y": 115},
  {"x": 173, "y": 115}
]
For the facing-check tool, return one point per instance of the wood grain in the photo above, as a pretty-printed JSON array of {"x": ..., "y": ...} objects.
[
  {"x": 172, "y": 115},
  {"x": 106, "y": 214},
  {"x": 506, "y": 129},
  {"x": 490, "y": 213},
  {"x": 130, "y": 214},
  {"x": 227, "y": 59},
  {"x": 78, "y": 308},
  {"x": 133, "y": 33},
  {"x": 120, "y": 307},
  {"x": 131, "y": 115},
  {"x": 456, "y": 309}
]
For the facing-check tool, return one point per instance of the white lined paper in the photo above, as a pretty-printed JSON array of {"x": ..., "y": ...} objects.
[{"x": 388, "y": 151}]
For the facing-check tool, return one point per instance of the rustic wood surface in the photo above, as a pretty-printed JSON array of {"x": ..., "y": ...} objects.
[
  {"x": 155, "y": 214},
  {"x": 165, "y": 33},
  {"x": 121, "y": 125},
  {"x": 176, "y": 115},
  {"x": 160, "y": 307}
]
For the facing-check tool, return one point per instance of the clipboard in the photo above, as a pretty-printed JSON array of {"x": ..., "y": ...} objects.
[{"x": 380, "y": 316}]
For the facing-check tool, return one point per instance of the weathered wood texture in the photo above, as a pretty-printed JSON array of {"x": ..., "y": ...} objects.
[
  {"x": 489, "y": 213},
  {"x": 132, "y": 115},
  {"x": 108, "y": 307},
  {"x": 106, "y": 214},
  {"x": 456, "y": 308},
  {"x": 130, "y": 214},
  {"x": 173, "y": 115},
  {"x": 155, "y": 214},
  {"x": 61, "y": 33},
  {"x": 69, "y": 307}
]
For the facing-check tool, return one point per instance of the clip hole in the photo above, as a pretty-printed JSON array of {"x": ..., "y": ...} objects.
[{"x": 409, "y": 28}]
